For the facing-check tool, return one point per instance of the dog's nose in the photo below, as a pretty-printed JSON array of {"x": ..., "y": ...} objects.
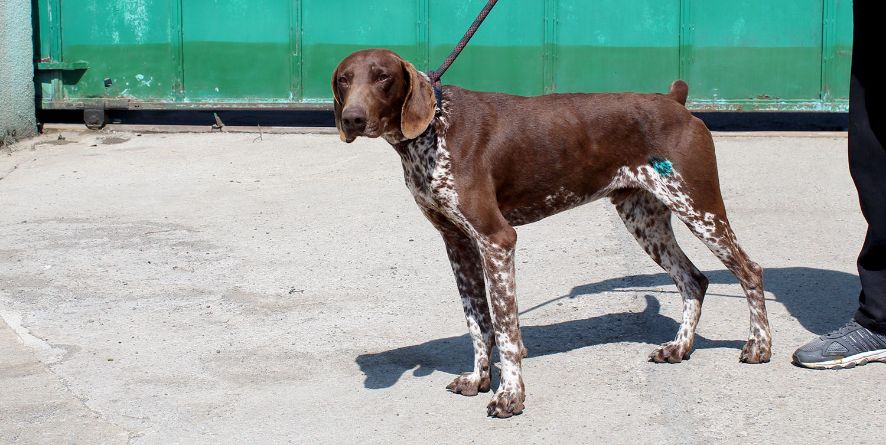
[{"x": 353, "y": 120}]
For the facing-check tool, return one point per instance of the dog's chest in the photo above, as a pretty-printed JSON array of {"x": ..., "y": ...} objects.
[{"x": 427, "y": 170}]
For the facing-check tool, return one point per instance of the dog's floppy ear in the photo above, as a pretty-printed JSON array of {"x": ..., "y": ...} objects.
[
  {"x": 418, "y": 106},
  {"x": 336, "y": 99}
]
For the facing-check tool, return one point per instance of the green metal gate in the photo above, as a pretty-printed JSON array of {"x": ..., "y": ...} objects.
[{"x": 211, "y": 54}]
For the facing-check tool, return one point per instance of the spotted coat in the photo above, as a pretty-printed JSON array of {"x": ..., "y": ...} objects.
[{"x": 483, "y": 163}]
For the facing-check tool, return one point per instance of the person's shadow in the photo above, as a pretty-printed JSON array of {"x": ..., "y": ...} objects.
[{"x": 819, "y": 299}]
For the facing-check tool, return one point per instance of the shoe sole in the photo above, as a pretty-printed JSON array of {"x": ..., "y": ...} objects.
[{"x": 847, "y": 362}]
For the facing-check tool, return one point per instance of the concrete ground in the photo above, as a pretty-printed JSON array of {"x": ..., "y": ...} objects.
[{"x": 237, "y": 288}]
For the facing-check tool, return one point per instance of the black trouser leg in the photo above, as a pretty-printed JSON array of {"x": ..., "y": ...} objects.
[{"x": 867, "y": 159}]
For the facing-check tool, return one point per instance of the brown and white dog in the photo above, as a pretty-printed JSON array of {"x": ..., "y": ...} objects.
[{"x": 479, "y": 164}]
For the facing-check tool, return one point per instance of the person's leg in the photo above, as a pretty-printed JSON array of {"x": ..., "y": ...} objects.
[
  {"x": 867, "y": 162},
  {"x": 864, "y": 339}
]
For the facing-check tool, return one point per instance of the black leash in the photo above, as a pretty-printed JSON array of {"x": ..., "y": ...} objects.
[{"x": 438, "y": 73}]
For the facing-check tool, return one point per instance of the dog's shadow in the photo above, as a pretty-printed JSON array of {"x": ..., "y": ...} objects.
[{"x": 819, "y": 299}]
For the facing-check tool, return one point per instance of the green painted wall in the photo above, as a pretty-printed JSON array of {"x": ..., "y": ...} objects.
[
  {"x": 735, "y": 54},
  {"x": 634, "y": 47},
  {"x": 755, "y": 49},
  {"x": 17, "y": 117},
  {"x": 330, "y": 30},
  {"x": 134, "y": 43},
  {"x": 223, "y": 63}
]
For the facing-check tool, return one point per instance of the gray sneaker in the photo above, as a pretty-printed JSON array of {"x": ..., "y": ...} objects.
[{"x": 846, "y": 347}]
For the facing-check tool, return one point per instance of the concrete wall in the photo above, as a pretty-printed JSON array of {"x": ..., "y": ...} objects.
[{"x": 17, "y": 119}]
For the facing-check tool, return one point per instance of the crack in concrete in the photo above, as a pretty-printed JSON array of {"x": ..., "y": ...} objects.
[
  {"x": 51, "y": 355},
  {"x": 15, "y": 167},
  {"x": 130, "y": 435}
]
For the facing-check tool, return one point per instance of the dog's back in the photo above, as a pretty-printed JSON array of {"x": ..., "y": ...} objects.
[{"x": 566, "y": 148}]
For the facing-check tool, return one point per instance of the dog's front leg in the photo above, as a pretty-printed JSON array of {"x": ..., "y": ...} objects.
[
  {"x": 497, "y": 251},
  {"x": 468, "y": 269}
]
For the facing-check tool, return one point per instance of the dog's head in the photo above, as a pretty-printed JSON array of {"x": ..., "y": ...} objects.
[{"x": 377, "y": 93}]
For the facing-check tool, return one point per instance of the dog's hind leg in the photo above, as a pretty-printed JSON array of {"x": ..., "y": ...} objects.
[
  {"x": 649, "y": 220},
  {"x": 467, "y": 266},
  {"x": 695, "y": 199},
  {"x": 717, "y": 234}
]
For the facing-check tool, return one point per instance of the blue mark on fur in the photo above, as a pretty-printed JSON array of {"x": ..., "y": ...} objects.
[{"x": 662, "y": 166}]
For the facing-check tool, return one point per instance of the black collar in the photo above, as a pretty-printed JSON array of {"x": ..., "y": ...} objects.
[{"x": 438, "y": 95}]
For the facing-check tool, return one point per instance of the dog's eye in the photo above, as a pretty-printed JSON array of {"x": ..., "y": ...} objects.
[
  {"x": 342, "y": 80},
  {"x": 383, "y": 77}
]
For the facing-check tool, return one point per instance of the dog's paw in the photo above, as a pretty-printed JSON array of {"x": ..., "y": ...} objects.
[
  {"x": 505, "y": 403},
  {"x": 670, "y": 352},
  {"x": 756, "y": 351},
  {"x": 469, "y": 384}
]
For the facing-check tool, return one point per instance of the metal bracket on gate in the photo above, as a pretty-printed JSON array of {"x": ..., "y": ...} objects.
[{"x": 62, "y": 66}]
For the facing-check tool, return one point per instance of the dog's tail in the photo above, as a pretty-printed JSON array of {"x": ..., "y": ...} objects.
[{"x": 679, "y": 90}]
